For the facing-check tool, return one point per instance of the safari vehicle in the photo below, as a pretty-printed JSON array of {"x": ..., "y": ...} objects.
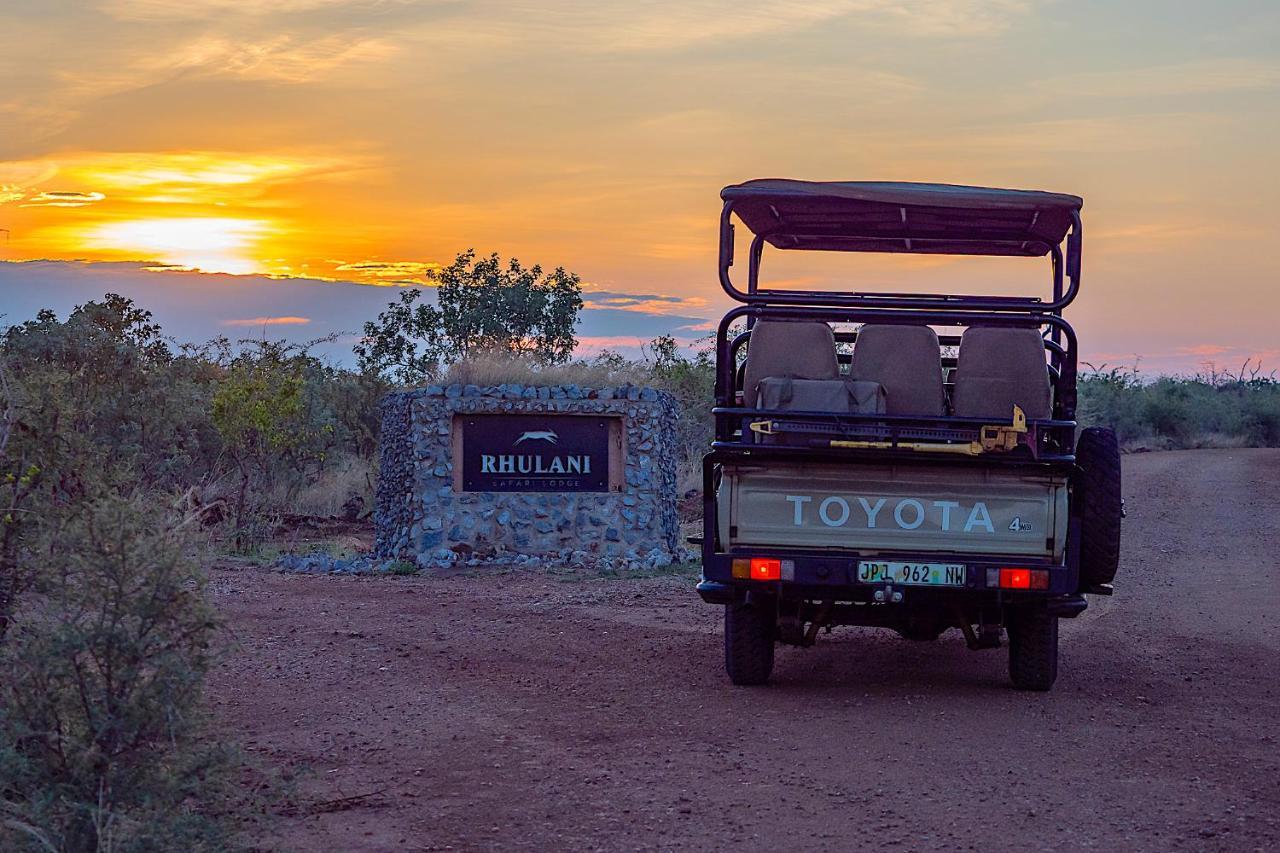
[{"x": 867, "y": 470}]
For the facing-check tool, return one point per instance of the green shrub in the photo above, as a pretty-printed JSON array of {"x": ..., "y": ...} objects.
[
  {"x": 99, "y": 707},
  {"x": 1170, "y": 412}
]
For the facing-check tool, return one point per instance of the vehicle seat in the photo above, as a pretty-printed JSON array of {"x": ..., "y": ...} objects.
[
  {"x": 788, "y": 349},
  {"x": 999, "y": 368},
  {"x": 907, "y": 361}
]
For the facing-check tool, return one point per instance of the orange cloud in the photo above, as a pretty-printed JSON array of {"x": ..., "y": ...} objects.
[
  {"x": 646, "y": 303},
  {"x": 388, "y": 272},
  {"x": 1204, "y": 349},
  {"x": 269, "y": 321},
  {"x": 63, "y": 199}
]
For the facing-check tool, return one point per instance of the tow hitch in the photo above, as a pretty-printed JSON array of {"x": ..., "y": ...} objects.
[{"x": 888, "y": 594}]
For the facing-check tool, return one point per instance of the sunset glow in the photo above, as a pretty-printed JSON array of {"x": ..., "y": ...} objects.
[
  {"x": 371, "y": 142},
  {"x": 201, "y": 243}
]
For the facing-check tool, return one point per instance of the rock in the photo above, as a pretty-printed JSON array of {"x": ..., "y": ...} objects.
[{"x": 658, "y": 559}]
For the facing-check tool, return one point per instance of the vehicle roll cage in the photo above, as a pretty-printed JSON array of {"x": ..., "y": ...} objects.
[
  {"x": 1064, "y": 267},
  {"x": 1052, "y": 440}
]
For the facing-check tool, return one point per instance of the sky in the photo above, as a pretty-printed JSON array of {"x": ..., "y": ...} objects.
[{"x": 278, "y": 167}]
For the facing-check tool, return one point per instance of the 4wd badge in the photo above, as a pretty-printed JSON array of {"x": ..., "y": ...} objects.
[{"x": 534, "y": 453}]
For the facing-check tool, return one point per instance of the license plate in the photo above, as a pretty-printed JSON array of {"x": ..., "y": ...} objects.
[{"x": 912, "y": 574}]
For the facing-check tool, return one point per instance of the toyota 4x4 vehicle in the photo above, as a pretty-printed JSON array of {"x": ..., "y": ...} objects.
[{"x": 867, "y": 470}]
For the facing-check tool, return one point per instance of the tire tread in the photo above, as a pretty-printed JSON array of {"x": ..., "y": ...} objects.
[
  {"x": 1033, "y": 649},
  {"x": 748, "y": 643}
]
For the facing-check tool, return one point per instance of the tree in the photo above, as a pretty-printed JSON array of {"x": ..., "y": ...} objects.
[
  {"x": 484, "y": 306},
  {"x": 258, "y": 410}
]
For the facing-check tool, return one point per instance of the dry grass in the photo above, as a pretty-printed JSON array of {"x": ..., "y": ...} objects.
[
  {"x": 497, "y": 370},
  {"x": 345, "y": 477}
]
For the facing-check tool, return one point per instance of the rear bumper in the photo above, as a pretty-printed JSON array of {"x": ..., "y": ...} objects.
[{"x": 834, "y": 578}]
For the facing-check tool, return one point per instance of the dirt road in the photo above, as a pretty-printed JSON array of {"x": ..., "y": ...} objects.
[{"x": 530, "y": 711}]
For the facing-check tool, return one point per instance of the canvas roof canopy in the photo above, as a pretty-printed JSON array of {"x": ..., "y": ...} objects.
[{"x": 864, "y": 216}]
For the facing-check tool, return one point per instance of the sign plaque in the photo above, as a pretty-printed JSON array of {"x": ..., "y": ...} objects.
[{"x": 535, "y": 453}]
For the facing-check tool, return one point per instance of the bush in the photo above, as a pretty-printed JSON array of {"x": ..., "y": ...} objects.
[
  {"x": 99, "y": 719},
  {"x": 1211, "y": 409},
  {"x": 692, "y": 381}
]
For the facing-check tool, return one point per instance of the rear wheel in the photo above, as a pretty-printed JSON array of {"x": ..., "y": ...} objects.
[
  {"x": 748, "y": 641},
  {"x": 1033, "y": 649},
  {"x": 1097, "y": 489}
]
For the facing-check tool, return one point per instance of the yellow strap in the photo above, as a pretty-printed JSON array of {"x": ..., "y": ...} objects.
[{"x": 970, "y": 449}]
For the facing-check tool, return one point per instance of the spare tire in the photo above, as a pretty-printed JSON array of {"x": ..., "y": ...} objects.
[{"x": 1097, "y": 492}]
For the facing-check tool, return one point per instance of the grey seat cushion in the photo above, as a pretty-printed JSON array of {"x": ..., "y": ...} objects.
[
  {"x": 840, "y": 396},
  {"x": 907, "y": 361},
  {"x": 998, "y": 368},
  {"x": 789, "y": 350}
]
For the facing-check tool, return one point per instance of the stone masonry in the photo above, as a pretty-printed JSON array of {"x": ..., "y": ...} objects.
[{"x": 421, "y": 518}]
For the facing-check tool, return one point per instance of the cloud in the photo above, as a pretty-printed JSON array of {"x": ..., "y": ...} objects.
[
  {"x": 203, "y": 171},
  {"x": 269, "y": 321},
  {"x": 397, "y": 271},
  {"x": 18, "y": 176},
  {"x": 190, "y": 177},
  {"x": 631, "y": 27},
  {"x": 283, "y": 59},
  {"x": 1208, "y": 76},
  {"x": 1204, "y": 349},
  {"x": 189, "y": 10},
  {"x": 63, "y": 199},
  {"x": 649, "y": 303}
]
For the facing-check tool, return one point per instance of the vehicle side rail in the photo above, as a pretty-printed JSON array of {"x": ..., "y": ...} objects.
[{"x": 739, "y": 451}]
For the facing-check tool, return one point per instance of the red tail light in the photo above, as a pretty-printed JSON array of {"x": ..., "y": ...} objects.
[
  {"x": 1015, "y": 579},
  {"x": 765, "y": 569},
  {"x": 1011, "y": 578},
  {"x": 758, "y": 569}
]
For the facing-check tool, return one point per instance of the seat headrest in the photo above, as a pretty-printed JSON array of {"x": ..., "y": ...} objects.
[
  {"x": 788, "y": 349},
  {"x": 907, "y": 361},
  {"x": 999, "y": 368}
]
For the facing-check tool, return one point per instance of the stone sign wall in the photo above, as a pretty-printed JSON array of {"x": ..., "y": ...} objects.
[{"x": 581, "y": 476}]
